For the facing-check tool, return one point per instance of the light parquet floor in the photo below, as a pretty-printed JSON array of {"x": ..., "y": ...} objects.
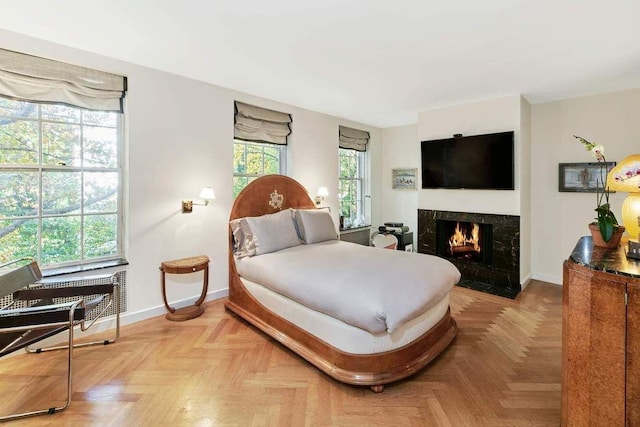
[{"x": 503, "y": 369}]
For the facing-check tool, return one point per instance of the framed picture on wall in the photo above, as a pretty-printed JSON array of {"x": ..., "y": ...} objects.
[
  {"x": 581, "y": 177},
  {"x": 403, "y": 178}
]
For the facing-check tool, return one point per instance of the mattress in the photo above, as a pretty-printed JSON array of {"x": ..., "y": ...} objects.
[
  {"x": 374, "y": 289},
  {"x": 340, "y": 335}
]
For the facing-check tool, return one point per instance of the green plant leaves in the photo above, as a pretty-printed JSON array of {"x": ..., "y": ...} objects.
[{"x": 606, "y": 221}]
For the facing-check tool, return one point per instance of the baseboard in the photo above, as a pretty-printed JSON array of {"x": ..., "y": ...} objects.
[
  {"x": 547, "y": 278},
  {"x": 129, "y": 318}
]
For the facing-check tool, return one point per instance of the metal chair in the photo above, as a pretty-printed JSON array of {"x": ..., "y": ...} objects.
[{"x": 32, "y": 315}]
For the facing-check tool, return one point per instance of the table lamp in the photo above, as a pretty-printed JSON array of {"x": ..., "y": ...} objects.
[{"x": 626, "y": 177}]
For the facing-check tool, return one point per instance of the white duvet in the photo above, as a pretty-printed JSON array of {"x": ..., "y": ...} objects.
[{"x": 371, "y": 288}]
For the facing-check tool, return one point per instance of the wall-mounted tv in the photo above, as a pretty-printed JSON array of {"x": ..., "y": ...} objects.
[{"x": 479, "y": 162}]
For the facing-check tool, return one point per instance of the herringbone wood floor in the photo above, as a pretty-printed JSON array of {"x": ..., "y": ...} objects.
[{"x": 503, "y": 369}]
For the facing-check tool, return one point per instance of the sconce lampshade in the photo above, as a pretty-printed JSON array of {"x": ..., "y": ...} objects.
[
  {"x": 320, "y": 195},
  {"x": 207, "y": 194},
  {"x": 625, "y": 177}
]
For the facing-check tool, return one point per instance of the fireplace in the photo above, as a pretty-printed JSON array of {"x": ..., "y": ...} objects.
[
  {"x": 494, "y": 267},
  {"x": 465, "y": 240}
]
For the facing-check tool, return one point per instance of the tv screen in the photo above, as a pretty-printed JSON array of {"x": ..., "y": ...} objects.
[{"x": 480, "y": 162}]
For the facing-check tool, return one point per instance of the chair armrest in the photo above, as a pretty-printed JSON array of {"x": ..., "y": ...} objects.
[
  {"x": 62, "y": 292},
  {"x": 37, "y": 308},
  {"x": 34, "y": 317}
]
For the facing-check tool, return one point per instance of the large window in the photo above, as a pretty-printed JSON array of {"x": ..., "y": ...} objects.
[
  {"x": 351, "y": 191},
  {"x": 60, "y": 183},
  {"x": 353, "y": 173},
  {"x": 252, "y": 159},
  {"x": 259, "y": 144}
]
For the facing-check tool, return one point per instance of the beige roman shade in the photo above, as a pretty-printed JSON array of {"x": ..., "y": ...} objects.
[
  {"x": 258, "y": 124},
  {"x": 353, "y": 139},
  {"x": 31, "y": 78}
]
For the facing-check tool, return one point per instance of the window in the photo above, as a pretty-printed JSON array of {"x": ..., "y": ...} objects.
[
  {"x": 253, "y": 159},
  {"x": 352, "y": 157},
  {"x": 351, "y": 186},
  {"x": 259, "y": 144},
  {"x": 60, "y": 180}
]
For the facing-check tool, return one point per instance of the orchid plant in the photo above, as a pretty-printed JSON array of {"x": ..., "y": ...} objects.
[{"x": 607, "y": 221}]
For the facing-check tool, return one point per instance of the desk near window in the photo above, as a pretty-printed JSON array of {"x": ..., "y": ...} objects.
[
  {"x": 362, "y": 236},
  {"x": 359, "y": 235}
]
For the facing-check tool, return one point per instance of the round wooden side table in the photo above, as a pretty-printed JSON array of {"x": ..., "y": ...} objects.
[{"x": 183, "y": 266}]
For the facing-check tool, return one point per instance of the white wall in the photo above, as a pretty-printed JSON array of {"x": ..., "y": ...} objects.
[
  {"x": 551, "y": 222},
  {"x": 401, "y": 149},
  {"x": 179, "y": 134},
  {"x": 525, "y": 192},
  {"x": 494, "y": 115},
  {"x": 179, "y": 139},
  {"x": 560, "y": 219}
]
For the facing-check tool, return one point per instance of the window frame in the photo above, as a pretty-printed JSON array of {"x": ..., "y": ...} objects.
[
  {"x": 359, "y": 181},
  {"x": 40, "y": 168},
  {"x": 282, "y": 159}
]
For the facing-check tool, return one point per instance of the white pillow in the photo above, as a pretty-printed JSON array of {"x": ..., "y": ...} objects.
[
  {"x": 315, "y": 225},
  {"x": 244, "y": 242},
  {"x": 272, "y": 232}
]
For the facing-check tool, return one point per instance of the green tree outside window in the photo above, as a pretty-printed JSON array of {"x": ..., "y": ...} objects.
[{"x": 59, "y": 183}]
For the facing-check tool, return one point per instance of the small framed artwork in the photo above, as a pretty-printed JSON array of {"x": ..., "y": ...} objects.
[
  {"x": 403, "y": 179},
  {"x": 582, "y": 177}
]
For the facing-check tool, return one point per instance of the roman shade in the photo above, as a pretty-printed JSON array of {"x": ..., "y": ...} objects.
[
  {"x": 31, "y": 78},
  {"x": 258, "y": 124},
  {"x": 353, "y": 139}
]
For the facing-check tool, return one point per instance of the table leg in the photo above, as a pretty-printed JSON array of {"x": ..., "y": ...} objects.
[
  {"x": 205, "y": 286},
  {"x": 164, "y": 293}
]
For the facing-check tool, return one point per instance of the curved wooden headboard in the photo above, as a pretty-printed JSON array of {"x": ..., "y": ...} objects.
[
  {"x": 265, "y": 195},
  {"x": 270, "y": 194}
]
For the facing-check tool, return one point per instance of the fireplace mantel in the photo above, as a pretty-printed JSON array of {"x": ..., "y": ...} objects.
[{"x": 502, "y": 275}]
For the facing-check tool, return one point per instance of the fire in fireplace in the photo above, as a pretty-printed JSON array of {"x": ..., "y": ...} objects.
[{"x": 464, "y": 240}]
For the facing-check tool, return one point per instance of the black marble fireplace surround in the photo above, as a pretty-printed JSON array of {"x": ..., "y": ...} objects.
[{"x": 499, "y": 277}]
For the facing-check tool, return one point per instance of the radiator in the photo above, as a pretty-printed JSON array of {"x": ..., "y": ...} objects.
[{"x": 121, "y": 278}]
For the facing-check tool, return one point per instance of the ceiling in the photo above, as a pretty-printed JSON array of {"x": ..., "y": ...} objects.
[{"x": 377, "y": 62}]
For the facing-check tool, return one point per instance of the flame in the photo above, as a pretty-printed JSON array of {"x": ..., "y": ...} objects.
[
  {"x": 461, "y": 237},
  {"x": 475, "y": 237},
  {"x": 458, "y": 238}
]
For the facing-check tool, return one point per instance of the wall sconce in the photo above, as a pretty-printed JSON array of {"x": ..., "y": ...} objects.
[
  {"x": 322, "y": 193},
  {"x": 626, "y": 177},
  {"x": 206, "y": 194}
]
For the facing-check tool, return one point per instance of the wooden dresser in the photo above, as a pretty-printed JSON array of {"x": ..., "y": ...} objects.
[{"x": 600, "y": 337}]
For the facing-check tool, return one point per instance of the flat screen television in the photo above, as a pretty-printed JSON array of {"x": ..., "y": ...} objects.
[{"x": 479, "y": 162}]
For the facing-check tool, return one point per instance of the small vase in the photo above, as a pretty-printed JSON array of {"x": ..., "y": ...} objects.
[{"x": 599, "y": 241}]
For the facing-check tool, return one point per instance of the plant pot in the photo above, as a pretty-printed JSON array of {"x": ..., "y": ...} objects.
[{"x": 599, "y": 241}]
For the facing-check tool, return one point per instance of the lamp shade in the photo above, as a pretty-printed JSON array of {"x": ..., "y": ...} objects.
[
  {"x": 207, "y": 193},
  {"x": 323, "y": 191},
  {"x": 625, "y": 177}
]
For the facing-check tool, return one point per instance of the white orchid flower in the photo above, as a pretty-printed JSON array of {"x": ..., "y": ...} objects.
[{"x": 598, "y": 152}]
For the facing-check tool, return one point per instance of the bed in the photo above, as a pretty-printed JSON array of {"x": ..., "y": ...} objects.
[{"x": 363, "y": 315}]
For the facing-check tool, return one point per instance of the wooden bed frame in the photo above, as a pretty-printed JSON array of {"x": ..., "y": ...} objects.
[{"x": 270, "y": 194}]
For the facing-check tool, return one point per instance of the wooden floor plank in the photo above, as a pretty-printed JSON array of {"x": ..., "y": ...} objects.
[{"x": 503, "y": 369}]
